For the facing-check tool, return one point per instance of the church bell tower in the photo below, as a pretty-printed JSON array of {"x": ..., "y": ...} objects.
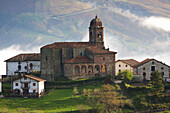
[{"x": 96, "y": 32}]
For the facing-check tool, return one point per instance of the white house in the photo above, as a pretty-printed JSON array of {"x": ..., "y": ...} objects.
[
  {"x": 27, "y": 85},
  {"x": 122, "y": 65},
  {"x": 146, "y": 67},
  {"x": 23, "y": 63}
]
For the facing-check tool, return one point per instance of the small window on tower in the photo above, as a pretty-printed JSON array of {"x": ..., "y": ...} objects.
[
  {"x": 46, "y": 58},
  {"x": 81, "y": 54},
  {"x": 91, "y": 33}
]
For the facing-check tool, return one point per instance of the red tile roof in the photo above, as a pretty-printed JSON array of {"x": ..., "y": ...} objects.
[
  {"x": 16, "y": 77},
  {"x": 68, "y": 44},
  {"x": 147, "y": 60},
  {"x": 130, "y": 62},
  {"x": 143, "y": 62},
  {"x": 80, "y": 59},
  {"x": 35, "y": 78},
  {"x": 24, "y": 57},
  {"x": 96, "y": 50}
]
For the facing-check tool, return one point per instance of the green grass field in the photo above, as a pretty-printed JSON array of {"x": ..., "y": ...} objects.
[{"x": 58, "y": 100}]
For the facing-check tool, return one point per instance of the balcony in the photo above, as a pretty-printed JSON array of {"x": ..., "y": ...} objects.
[{"x": 25, "y": 87}]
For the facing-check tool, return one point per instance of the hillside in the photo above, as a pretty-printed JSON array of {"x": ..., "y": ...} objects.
[{"x": 131, "y": 26}]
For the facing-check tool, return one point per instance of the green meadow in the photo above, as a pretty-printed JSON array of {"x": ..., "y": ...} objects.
[{"x": 57, "y": 100}]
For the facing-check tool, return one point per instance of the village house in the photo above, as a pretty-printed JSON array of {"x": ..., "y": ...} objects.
[
  {"x": 78, "y": 59},
  {"x": 23, "y": 63},
  {"x": 147, "y": 66},
  {"x": 28, "y": 85},
  {"x": 128, "y": 64}
]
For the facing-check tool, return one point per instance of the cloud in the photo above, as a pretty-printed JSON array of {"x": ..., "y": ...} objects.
[
  {"x": 154, "y": 22},
  {"x": 12, "y": 51}
]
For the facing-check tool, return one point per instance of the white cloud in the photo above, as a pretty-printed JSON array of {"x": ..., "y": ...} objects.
[
  {"x": 12, "y": 51},
  {"x": 154, "y": 22}
]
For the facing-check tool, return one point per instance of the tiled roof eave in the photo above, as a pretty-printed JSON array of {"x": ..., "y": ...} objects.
[{"x": 78, "y": 62}]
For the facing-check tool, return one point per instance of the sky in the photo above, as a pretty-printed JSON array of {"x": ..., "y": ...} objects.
[{"x": 152, "y": 23}]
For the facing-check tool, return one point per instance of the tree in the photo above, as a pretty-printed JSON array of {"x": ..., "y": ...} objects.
[
  {"x": 125, "y": 75},
  {"x": 156, "y": 85},
  {"x": 75, "y": 91},
  {"x": 105, "y": 99}
]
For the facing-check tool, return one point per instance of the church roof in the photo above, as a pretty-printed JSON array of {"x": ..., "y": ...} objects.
[
  {"x": 130, "y": 62},
  {"x": 68, "y": 44},
  {"x": 25, "y": 57},
  {"x": 80, "y": 59},
  {"x": 96, "y": 22},
  {"x": 96, "y": 50}
]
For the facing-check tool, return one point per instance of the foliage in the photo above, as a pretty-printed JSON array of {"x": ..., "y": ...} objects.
[
  {"x": 75, "y": 91},
  {"x": 156, "y": 84},
  {"x": 125, "y": 75},
  {"x": 105, "y": 99}
]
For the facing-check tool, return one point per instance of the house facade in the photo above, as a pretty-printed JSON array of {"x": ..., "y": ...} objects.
[
  {"x": 24, "y": 63},
  {"x": 28, "y": 85},
  {"x": 78, "y": 59},
  {"x": 146, "y": 67},
  {"x": 122, "y": 65}
]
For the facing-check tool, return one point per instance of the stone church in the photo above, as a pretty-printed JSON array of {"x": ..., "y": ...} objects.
[{"x": 76, "y": 60}]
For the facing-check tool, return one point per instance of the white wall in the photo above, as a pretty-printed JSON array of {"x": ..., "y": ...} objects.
[
  {"x": 122, "y": 67},
  {"x": 39, "y": 86},
  {"x": 13, "y": 66}
]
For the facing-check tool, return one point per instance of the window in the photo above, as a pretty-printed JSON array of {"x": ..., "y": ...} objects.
[
  {"x": 162, "y": 73},
  {"x": 34, "y": 91},
  {"x": 119, "y": 70},
  {"x": 153, "y": 62},
  {"x": 19, "y": 67},
  {"x": 81, "y": 54},
  {"x": 31, "y": 65},
  {"x": 34, "y": 84},
  {"x": 25, "y": 67},
  {"x": 91, "y": 33},
  {"x": 119, "y": 65},
  {"x": 144, "y": 75},
  {"x": 103, "y": 59},
  {"x": 16, "y": 84},
  {"x": 46, "y": 58},
  {"x": 100, "y": 35},
  {"x": 143, "y": 68},
  {"x": 152, "y": 68},
  {"x": 162, "y": 68},
  {"x": 126, "y": 65}
]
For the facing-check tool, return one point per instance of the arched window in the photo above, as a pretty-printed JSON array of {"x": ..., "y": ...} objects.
[
  {"x": 83, "y": 69},
  {"x": 19, "y": 67},
  {"x": 97, "y": 69},
  {"x": 144, "y": 75},
  {"x": 90, "y": 69},
  {"x": 100, "y": 35},
  {"x": 31, "y": 65}
]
